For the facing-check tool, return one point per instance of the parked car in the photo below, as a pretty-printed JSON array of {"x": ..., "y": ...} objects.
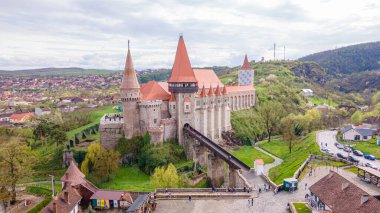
[
  {"x": 358, "y": 153},
  {"x": 328, "y": 151},
  {"x": 353, "y": 159},
  {"x": 339, "y": 155},
  {"x": 371, "y": 166},
  {"x": 370, "y": 157},
  {"x": 339, "y": 146},
  {"x": 347, "y": 149}
]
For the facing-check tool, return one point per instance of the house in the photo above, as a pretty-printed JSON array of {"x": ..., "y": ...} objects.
[
  {"x": 259, "y": 166},
  {"x": 109, "y": 199},
  {"x": 67, "y": 201},
  {"x": 352, "y": 133},
  {"x": 307, "y": 92},
  {"x": 334, "y": 193},
  {"x": 42, "y": 111},
  {"x": 21, "y": 117},
  {"x": 5, "y": 117}
]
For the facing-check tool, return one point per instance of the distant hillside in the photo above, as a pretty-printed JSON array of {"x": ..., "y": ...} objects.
[
  {"x": 56, "y": 71},
  {"x": 348, "y": 60}
]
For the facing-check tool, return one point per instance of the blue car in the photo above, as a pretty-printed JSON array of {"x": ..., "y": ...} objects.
[{"x": 370, "y": 157}]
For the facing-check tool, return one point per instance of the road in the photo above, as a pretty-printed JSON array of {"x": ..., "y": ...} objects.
[{"x": 329, "y": 137}]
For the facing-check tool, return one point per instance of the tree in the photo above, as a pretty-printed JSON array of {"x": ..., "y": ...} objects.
[
  {"x": 291, "y": 129},
  {"x": 313, "y": 117},
  {"x": 166, "y": 178},
  {"x": 357, "y": 117},
  {"x": 58, "y": 136},
  {"x": 41, "y": 132},
  {"x": 270, "y": 113},
  {"x": 100, "y": 162},
  {"x": 16, "y": 160}
]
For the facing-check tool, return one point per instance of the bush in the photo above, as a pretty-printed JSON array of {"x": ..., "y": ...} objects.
[{"x": 38, "y": 191}]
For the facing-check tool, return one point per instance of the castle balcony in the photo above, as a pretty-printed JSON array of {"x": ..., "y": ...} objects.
[{"x": 112, "y": 118}]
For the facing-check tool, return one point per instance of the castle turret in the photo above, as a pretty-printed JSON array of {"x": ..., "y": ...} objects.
[
  {"x": 210, "y": 114},
  {"x": 246, "y": 73},
  {"x": 130, "y": 96},
  {"x": 183, "y": 84}
]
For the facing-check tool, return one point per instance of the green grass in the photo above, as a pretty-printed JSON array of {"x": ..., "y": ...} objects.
[
  {"x": 276, "y": 147},
  {"x": 248, "y": 154},
  {"x": 302, "y": 208},
  {"x": 321, "y": 101},
  {"x": 95, "y": 118},
  {"x": 367, "y": 147},
  {"x": 129, "y": 178},
  {"x": 292, "y": 161},
  {"x": 201, "y": 184},
  {"x": 352, "y": 169}
]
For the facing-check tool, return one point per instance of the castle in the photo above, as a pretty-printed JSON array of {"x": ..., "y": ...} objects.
[{"x": 193, "y": 96}]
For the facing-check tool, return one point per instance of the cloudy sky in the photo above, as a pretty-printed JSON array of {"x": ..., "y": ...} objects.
[{"x": 94, "y": 33}]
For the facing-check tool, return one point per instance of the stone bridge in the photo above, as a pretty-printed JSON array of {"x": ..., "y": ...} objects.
[{"x": 210, "y": 155}]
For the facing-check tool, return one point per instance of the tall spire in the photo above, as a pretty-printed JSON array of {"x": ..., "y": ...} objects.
[
  {"x": 246, "y": 65},
  {"x": 182, "y": 71},
  {"x": 217, "y": 91},
  {"x": 224, "y": 92},
  {"x": 130, "y": 78},
  {"x": 210, "y": 92},
  {"x": 203, "y": 92}
]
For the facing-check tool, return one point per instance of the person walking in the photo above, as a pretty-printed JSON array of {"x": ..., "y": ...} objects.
[
  {"x": 305, "y": 186},
  {"x": 189, "y": 198},
  {"x": 252, "y": 201}
]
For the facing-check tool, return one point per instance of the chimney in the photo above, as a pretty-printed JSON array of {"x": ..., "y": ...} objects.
[
  {"x": 55, "y": 210},
  {"x": 345, "y": 185},
  {"x": 364, "y": 199},
  {"x": 66, "y": 196}
]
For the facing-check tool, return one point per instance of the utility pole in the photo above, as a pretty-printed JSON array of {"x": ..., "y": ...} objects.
[
  {"x": 52, "y": 184},
  {"x": 274, "y": 51}
]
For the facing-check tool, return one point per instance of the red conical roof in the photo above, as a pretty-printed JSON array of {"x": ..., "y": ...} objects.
[
  {"x": 246, "y": 65},
  {"x": 172, "y": 98},
  {"x": 224, "y": 92},
  {"x": 130, "y": 78},
  {"x": 210, "y": 92},
  {"x": 182, "y": 71},
  {"x": 203, "y": 92},
  {"x": 217, "y": 91}
]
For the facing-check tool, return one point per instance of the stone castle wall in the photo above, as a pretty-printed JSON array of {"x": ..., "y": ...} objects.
[{"x": 111, "y": 129}]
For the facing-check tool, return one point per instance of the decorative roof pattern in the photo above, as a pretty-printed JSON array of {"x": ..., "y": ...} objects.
[{"x": 182, "y": 71}]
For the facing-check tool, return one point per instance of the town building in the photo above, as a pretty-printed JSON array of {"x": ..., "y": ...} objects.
[
  {"x": 334, "y": 193},
  {"x": 20, "y": 118},
  {"x": 307, "y": 92},
  {"x": 190, "y": 96},
  {"x": 357, "y": 133}
]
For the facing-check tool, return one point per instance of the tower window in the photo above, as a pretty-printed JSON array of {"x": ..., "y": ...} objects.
[{"x": 155, "y": 120}]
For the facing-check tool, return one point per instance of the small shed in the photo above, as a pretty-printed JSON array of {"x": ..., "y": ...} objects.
[
  {"x": 290, "y": 184},
  {"x": 259, "y": 166},
  {"x": 140, "y": 205}
]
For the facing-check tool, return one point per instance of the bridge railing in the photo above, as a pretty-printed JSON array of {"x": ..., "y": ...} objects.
[
  {"x": 190, "y": 190},
  {"x": 210, "y": 144}
]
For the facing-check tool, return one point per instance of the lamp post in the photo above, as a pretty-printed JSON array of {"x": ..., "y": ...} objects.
[{"x": 52, "y": 184}]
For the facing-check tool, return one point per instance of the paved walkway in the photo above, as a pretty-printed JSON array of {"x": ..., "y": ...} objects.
[{"x": 277, "y": 161}]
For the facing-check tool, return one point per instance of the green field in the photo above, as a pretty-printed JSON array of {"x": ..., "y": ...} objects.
[
  {"x": 292, "y": 161},
  {"x": 321, "y": 101},
  {"x": 248, "y": 154},
  {"x": 276, "y": 147},
  {"x": 367, "y": 147},
  {"x": 302, "y": 208},
  {"x": 95, "y": 118},
  {"x": 129, "y": 178},
  {"x": 352, "y": 169}
]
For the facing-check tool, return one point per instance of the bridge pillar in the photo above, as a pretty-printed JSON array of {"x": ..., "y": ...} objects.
[
  {"x": 188, "y": 145},
  {"x": 200, "y": 154},
  {"x": 215, "y": 170},
  {"x": 232, "y": 173}
]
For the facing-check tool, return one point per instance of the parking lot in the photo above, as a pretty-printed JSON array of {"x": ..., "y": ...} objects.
[{"x": 329, "y": 138}]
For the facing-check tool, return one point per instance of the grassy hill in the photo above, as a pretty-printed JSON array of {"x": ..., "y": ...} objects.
[{"x": 348, "y": 60}]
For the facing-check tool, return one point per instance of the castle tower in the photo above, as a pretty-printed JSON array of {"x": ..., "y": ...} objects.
[
  {"x": 183, "y": 84},
  {"x": 246, "y": 73},
  {"x": 203, "y": 113},
  {"x": 210, "y": 114},
  {"x": 226, "y": 112},
  {"x": 130, "y": 96}
]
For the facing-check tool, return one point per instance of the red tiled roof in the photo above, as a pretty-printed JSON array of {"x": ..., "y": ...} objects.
[
  {"x": 63, "y": 206},
  {"x": 172, "y": 98},
  {"x": 21, "y": 116},
  {"x": 210, "y": 92},
  {"x": 186, "y": 99},
  {"x": 130, "y": 78},
  {"x": 259, "y": 162},
  {"x": 182, "y": 71},
  {"x": 224, "y": 92},
  {"x": 111, "y": 195},
  {"x": 203, "y": 92},
  {"x": 207, "y": 77},
  {"x": 154, "y": 91},
  {"x": 246, "y": 65},
  {"x": 239, "y": 88},
  {"x": 217, "y": 91},
  {"x": 341, "y": 195}
]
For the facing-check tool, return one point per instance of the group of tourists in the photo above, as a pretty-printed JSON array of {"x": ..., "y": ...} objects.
[{"x": 113, "y": 117}]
